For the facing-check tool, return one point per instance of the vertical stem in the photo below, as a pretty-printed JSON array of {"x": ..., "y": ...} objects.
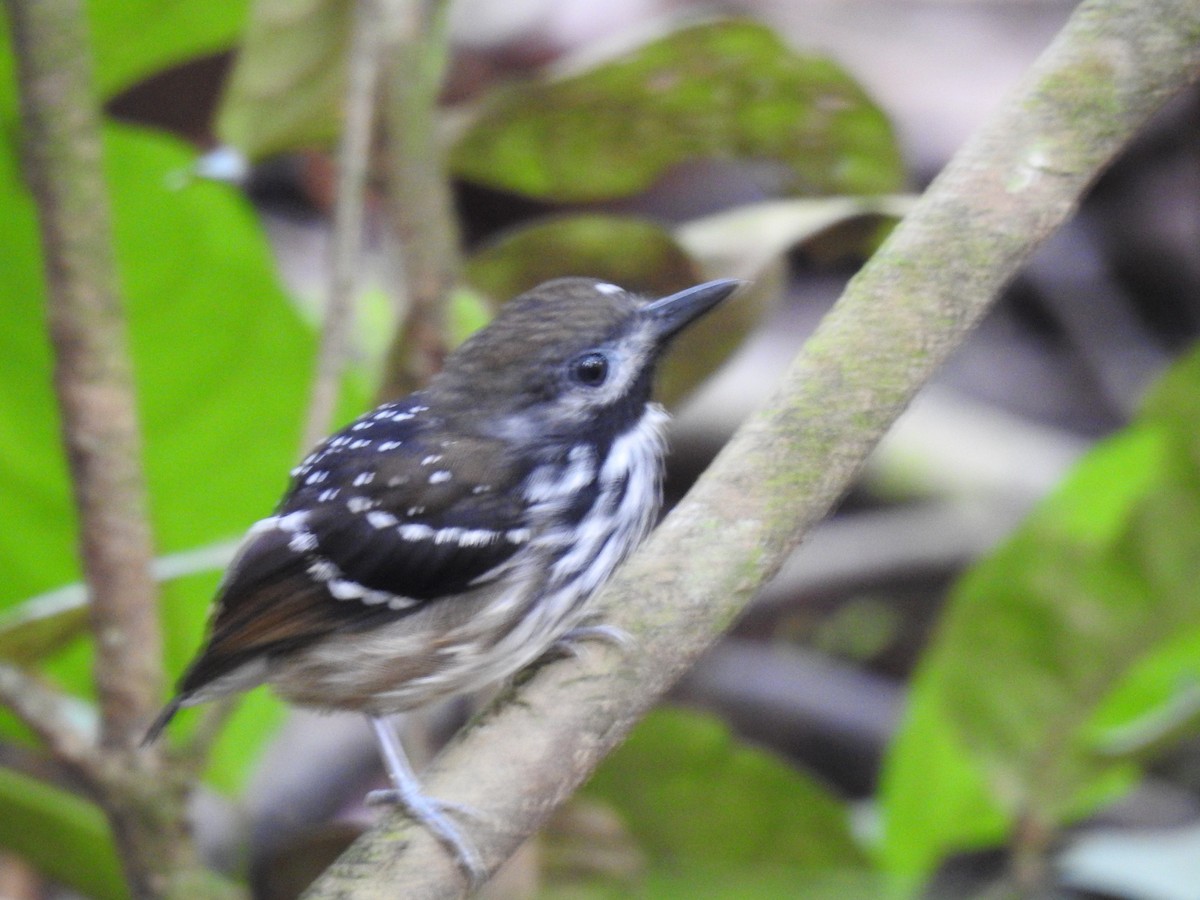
[
  {"x": 93, "y": 378},
  {"x": 419, "y": 201},
  {"x": 1030, "y": 855},
  {"x": 353, "y": 157}
]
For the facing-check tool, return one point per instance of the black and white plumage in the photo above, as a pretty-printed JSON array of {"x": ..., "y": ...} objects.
[{"x": 447, "y": 540}]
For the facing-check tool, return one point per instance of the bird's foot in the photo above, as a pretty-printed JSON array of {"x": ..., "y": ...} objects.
[
  {"x": 434, "y": 816},
  {"x": 570, "y": 644}
]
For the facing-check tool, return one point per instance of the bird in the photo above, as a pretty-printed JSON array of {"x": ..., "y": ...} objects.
[{"x": 443, "y": 542}]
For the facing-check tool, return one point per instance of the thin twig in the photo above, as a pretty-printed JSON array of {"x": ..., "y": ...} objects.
[
  {"x": 1016, "y": 180},
  {"x": 353, "y": 159},
  {"x": 92, "y": 373},
  {"x": 418, "y": 198}
]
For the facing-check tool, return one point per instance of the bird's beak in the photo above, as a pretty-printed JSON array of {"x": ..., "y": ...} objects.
[{"x": 671, "y": 314}]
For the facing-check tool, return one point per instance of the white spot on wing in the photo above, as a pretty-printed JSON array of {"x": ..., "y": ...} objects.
[
  {"x": 302, "y": 542},
  {"x": 389, "y": 445},
  {"x": 343, "y": 589},
  {"x": 431, "y": 459},
  {"x": 363, "y": 478},
  {"x": 610, "y": 289},
  {"x": 292, "y": 522},
  {"x": 415, "y": 531},
  {"x": 440, "y": 476},
  {"x": 380, "y": 519},
  {"x": 322, "y": 570}
]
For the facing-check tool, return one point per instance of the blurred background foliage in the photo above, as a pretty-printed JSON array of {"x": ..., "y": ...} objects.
[{"x": 981, "y": 676}]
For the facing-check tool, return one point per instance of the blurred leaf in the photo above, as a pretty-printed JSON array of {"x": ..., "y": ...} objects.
[
  {"x": 222, "y": 362},
  {"x": 932, "y": 795},
  {"x": 1046, "y": 641},
  {"x": 43, "y": 625},
  {"x": 634, "y": 253},
  {"x": 725, "y": 90},
  {"x": 693, "y": 796},
  {"x": 132, "y": 39},
  {"x": 638, "y": 255},
  {"x": 1158, "y": 700},
  {"x": 136, "y": 38},
  {"x": 698, "y": 881},
  {"x": 61, "y": 835},
  {"x": 286, "y": 87},
  {"x": 741, "y": 242}
]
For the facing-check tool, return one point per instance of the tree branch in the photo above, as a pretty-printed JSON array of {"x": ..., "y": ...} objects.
[
  {"x": 1015, "y": 181},
  {"x": 63, "y": 158},
  {"x": 94, "y": 383}
]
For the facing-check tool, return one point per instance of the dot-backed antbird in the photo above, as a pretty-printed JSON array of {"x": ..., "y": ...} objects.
[{"x": 447, "y": 540}]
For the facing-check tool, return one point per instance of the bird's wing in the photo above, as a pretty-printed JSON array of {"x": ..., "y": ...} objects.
[{"x": 379, "y": 522}]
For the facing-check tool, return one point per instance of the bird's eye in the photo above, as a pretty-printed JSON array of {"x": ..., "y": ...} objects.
[{"x": 591, "y": 369}]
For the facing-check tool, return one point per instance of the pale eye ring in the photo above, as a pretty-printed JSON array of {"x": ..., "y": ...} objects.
[{"x": 590, "y": 369}]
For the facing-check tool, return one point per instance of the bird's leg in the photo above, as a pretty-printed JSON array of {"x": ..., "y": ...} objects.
[{"x": 430, "y": 813}]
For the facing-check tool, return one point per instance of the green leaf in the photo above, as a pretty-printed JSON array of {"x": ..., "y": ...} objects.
[
  {"x": 133, "y": 39},
  {"x": 1157, "y": 701},
  {"x": 43, "y": 625},
  {"x": 285, "y": 90},
  {"x": 1057, "y": 645},
  {"x": 222, "y": 362},
  {"x": 61, "y": 835},
  {"x": 693, "y": 796},
  {"x": 745, "y": 240},
  {"x": 727, "y": 90},
  {"x": 934, "y": 798},
  {"x": 634, "y": 253}
]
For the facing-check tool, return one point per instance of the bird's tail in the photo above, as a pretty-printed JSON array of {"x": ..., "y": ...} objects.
[{"x": 161, "y": 720}]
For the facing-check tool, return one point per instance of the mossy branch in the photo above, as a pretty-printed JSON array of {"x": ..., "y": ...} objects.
[{"x": 1015, "y": 181}]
